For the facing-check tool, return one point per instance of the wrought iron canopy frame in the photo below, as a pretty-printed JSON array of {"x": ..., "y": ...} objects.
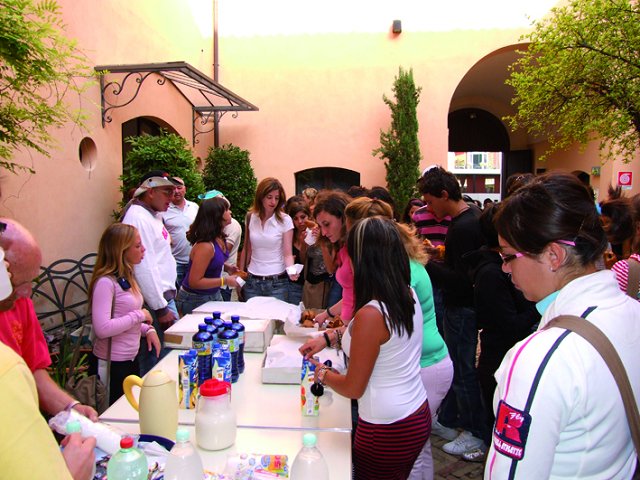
[{"x": 209, "y": 100}]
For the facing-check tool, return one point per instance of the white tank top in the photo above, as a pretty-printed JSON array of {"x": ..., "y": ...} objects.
[{"x": 395, "y": 389}]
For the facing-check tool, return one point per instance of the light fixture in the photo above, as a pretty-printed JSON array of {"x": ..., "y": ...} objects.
[{"x": 397, "y": 26}]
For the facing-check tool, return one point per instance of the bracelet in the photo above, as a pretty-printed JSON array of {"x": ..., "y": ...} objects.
[
  {"x": 337, "y": 344},
  {"x": 326, "y": 339},
  {"x": 320, "y": 374},
  {"x": 221, "y": 282},
  {"x": 71, "y": 405},
  {"x": 328, "y": 310}
]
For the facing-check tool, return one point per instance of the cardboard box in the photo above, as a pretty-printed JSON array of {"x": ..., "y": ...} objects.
[{"x": 258, "y": 332}]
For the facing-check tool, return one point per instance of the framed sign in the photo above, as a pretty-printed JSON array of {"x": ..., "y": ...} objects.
[{"x": 625, "y": 180}]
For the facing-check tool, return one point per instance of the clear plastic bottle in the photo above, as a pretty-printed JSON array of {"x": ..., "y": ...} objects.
[
  {"x": 128, "y": 463},
  {"x": 183, "y": 462},
  {"x": 309, "y": 462},
  {"x": 74, "y": 426}
]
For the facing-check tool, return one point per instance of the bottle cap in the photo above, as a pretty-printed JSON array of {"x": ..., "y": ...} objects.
[
  {"x": 216, "y": 314},
  {"x": 202, "y": 327},
  {"x": 208, "y": 320},
  {"x": 126, "y": 442},
  {"x": 235, "y": 318},
  {"x": 309, "y": 440},
  {"x": 73, "y": 426},
  {"x": 214, "y": 388},
  {"x": 182, "y": 435}
]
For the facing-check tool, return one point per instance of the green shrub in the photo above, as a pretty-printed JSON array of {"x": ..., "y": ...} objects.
[
  {"x": 168, "y": 152},
  {"x": 228, "y": 169}
]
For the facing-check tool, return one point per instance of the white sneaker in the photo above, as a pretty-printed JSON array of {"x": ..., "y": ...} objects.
[
  {"x": 464, "y": 443},
  {"x": 441, "y": 431}
]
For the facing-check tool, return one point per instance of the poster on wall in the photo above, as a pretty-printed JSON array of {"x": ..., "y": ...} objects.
[{"x": 625, "y": 180}]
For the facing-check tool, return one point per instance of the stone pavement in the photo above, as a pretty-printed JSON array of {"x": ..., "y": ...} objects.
[{"x": 448, "y": 467}]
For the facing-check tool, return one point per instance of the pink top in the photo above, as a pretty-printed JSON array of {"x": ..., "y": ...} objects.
[
  {"x": 124, "y": 326},
  {"x": 344, "y": 276},
  {"x": 20, "y": 330}
]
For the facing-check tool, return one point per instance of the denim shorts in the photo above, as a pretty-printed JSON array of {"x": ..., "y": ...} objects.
[{"x": 188, "y": 301}]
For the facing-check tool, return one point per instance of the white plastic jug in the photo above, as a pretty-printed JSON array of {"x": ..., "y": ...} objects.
[{"x": 215, "y": 419}]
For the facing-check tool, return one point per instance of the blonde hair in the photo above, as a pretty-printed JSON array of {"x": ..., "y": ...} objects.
[
  {"x": 115, "y": 240},
  {"x": 364, "y": 207}
]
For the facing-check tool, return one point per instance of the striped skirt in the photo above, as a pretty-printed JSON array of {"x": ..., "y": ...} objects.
[{"x": 388, "y": 451}]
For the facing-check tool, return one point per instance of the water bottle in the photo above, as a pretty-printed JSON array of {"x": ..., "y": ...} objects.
[
  {"x": 217, "y": 320},
  {"x": 238, "y": 327},
  {"x": 128, "y": 463},
  {"x": 203, "y": 343},
  {"x": 183, "y": 461},
  {"x": 211, "y": 328},
  {"x": 309, "y": 462},
  {"x": 230, "y": 337},
  {"x": 74, "y": 426}
]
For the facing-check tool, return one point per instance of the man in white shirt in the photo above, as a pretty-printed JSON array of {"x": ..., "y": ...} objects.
[
  {"x": 178, "y": 218},
  {"x": 156, "y": 274}
]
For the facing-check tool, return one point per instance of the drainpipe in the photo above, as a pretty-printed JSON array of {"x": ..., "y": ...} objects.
[{"x": 216, "y": 119}]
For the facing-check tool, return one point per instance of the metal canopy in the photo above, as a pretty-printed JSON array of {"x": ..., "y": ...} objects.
[{"x": 209, "y": 100}]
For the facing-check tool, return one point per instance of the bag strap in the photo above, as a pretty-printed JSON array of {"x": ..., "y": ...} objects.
[
  {"x": 633, "y": 278},
  {"x": 607, "y": 351}
]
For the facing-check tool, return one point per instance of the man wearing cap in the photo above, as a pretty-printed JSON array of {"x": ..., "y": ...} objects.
[
  {"x": 178, "y": 218},
  {"x": 156, "y": 274},
  {"x": 233, "y": 231}
]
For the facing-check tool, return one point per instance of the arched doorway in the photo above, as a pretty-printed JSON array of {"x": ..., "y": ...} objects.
[
  {"x": 142, "y": 126},
  {"x": 477, "y": 134}
]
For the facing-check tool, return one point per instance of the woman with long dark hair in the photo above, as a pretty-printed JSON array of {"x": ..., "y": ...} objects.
[
  {"x": 383, "y": 343},
  {"x": 116, "y": 308},
  {"x": 203, "y": 277},
  {"x": 558, "y": 410}
]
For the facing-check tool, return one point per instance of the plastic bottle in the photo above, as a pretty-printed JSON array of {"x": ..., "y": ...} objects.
[
  {"x": 128, "y": 463},
  {"x": 215, "y": 419},
  {"x": 217, "y": 319},
  {"x": 230, "y": 337},
  {"x": 239, "y": 327},
  {"x": 183, "y": 461},
  {"x": 203, "y": 343},
  {"x": 74, "y": 426},
  {"x": 211, "y": 328},
  {"x": 309, "y": 462}
]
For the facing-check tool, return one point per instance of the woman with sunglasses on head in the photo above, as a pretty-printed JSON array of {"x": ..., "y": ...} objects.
[
  {"x": 558, "y": 411},
  {"x": 383, "y": 343},
  {"x": 210, "y": 251},
  {"x": 116, "y": 308}
]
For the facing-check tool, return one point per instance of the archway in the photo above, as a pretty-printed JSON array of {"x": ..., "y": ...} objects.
[{"x": 142, "y": 126}]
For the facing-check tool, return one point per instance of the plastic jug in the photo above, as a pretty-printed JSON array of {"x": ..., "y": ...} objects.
[
  {"x": 215, "y": 419},
  {"x": 158, "y": 408}
]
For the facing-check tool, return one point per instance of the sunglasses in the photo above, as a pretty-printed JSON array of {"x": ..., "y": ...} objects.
[{"x": 512, "y": 256}]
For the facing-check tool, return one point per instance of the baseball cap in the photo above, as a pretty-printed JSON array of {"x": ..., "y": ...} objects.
[{"x": 153, "y": 179}]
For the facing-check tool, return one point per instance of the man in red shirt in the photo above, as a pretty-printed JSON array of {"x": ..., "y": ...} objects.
[{"x": 19, "y": 326}]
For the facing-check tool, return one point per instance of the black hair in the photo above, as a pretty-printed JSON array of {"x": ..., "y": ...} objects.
[
  {"x": 356, "y": 191},
  {"x": 555, "y": 206},
  {"x": 413, "y": 202},
  {"x": 207, "y": 225},
  {"x": 381, "y": 271},
  {"x": 515, "y": 181},
  {"x": 487, "y": 227},
  {"x": 383, "y": 194},
  {"x": 437, "y": 179}
]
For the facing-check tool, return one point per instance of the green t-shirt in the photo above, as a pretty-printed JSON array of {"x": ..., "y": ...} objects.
[{"x": 433, "y": 347}]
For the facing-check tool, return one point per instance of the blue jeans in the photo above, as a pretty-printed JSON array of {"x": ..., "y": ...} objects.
[
  {"x": 335, "y": 293},
  {"x": 147, "y": 359},
  {"x": 226, "y": 294},
  {"x": 276, "y": 288},
  {"x": 295, "y": 293},
  {"x": 461, "y": 337},
  {"x": 187, "y": 302},
  {"x": 181, "y": 269}
]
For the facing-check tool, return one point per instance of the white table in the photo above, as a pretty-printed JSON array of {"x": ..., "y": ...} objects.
[
  {"x": 256, "y": 404},
  {"x": 335, "y": 447}
]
